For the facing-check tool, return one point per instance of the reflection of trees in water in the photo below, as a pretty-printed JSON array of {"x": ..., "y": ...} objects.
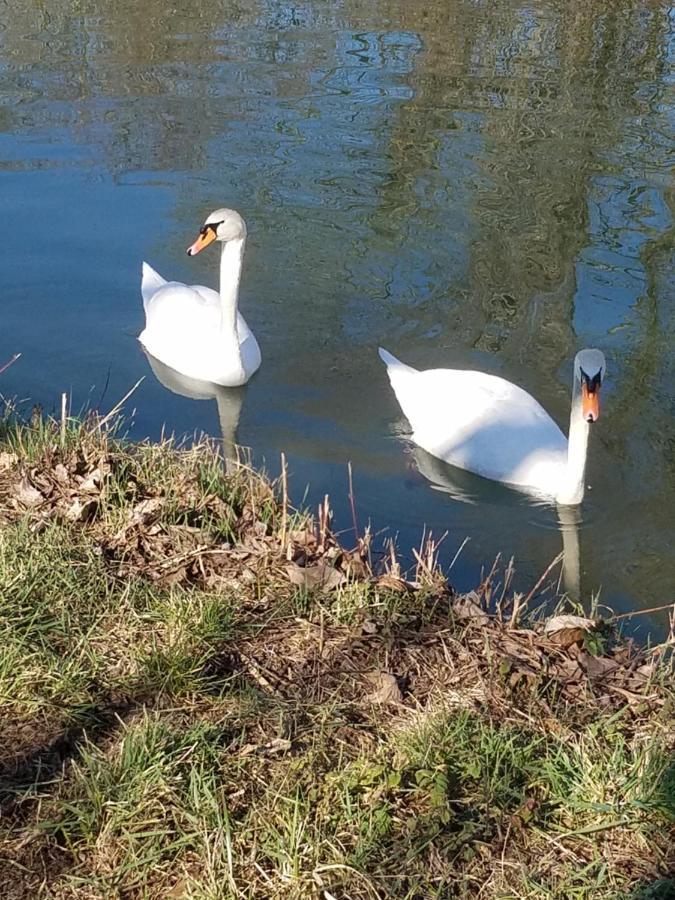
[
  {"x": 112, "y": 76},
  {"x": 643, "y": 410},
  {"x": 476, "y": 174},
  {"x": 548, "y": 90},
  {"x": 145, "y": 84}
]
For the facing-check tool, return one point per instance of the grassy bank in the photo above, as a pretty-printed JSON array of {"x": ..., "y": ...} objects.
[{"x": 203, "y": 695}]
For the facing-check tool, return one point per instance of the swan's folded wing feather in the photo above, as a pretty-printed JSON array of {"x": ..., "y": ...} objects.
[
  {"x": 211, "y": 299},
  {"x": 179, "y": 313},
  {"x": 151, "y": 282},
  {"x": 207, "y": 294}
]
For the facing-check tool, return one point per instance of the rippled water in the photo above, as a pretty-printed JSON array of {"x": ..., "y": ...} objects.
[{"x": 467, "y": 183}]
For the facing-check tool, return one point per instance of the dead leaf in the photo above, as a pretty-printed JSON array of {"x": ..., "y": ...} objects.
[
  {"x": 7, "y": 460},
  {"x": 145, "y": 510},
  {"x": 248, "y": 749},
  {"x": 322, "y": 575},
  {"x": 386, "y": 688},
  {"x": 646, "y": 670},
  {"x": 92, "y": 482},
  {"x": 553, "y": 726},
  {"x": 278, "y": 745},
  {"x": 467, "y": 606},
  {"x": 391, "y": 583},
  {"x": 81, "y": 512},
  {"x": 597, "y": 666},
  {"x": 61, "y": 472},
  {"x": 568, "y": 630},
  {"x": 179, "y": 890},
  {"x": 176, "y": 576},
  {"x": 354, "y": 566},
  {"x": 143, "y": 513},
  {"x": 526, "y": 811},
  {"x": 303, "y": 537},
  {"x": 27, "y": 495},
  {"x": 557, "y": 623},
  {"x": 567, "y": 670}
]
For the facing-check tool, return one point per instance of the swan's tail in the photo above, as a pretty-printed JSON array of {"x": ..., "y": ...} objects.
[
  {"x": 393, "y": 365},
  {"x": 151, "y": 282},
  {"x": 403, "y": 380}
]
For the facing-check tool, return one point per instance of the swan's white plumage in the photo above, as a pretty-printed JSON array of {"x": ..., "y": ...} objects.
[
  {"x": 151, "y": 282},
  {"x": 194, "y": 329},
  {"x": 183, "y": 330},
  {"x": 482, "y": 423}
]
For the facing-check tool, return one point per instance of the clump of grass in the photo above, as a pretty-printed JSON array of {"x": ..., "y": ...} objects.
[{"x": 143, "y": 808}]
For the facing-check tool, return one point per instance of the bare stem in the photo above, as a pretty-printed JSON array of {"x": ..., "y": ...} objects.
[{"x": 353, "y": 503}]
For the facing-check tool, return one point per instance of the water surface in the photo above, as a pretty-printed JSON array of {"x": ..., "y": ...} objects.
[{"x": 466, "y": 183}]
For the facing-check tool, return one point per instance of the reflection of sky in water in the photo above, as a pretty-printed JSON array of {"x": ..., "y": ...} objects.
[{"x": 467, "y": 187}]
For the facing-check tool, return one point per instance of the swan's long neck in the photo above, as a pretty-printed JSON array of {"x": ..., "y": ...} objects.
[
  {"x": 231, "y": 258},
  {"x": 572, "y": 488}
]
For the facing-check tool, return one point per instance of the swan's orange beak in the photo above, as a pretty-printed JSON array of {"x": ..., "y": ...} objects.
[
  {"x": 206, "y": 236},
  {"x": 590, "y": 401}
]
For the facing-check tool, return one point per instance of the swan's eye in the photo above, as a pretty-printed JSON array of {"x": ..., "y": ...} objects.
[
  {"x": 592, "y": 384},
  {"x": 210, "y": 226}
]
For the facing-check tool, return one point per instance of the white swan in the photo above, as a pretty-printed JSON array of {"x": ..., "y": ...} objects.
[
  {"x": 489, "y": 426},
  {"x": 191, "y": 328}
]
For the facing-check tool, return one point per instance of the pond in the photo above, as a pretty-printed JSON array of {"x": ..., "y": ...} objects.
[{"x": 469, "y": 184}]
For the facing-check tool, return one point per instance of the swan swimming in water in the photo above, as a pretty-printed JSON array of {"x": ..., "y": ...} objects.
[
  {"x": 492, "y": 427},
  {"x": 195, "y": 330}
]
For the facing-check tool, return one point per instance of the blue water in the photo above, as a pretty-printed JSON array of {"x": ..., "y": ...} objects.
[{"x": 467, "y": 184}]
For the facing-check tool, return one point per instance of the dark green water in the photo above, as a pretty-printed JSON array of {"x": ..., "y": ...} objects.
[{"x": 470, "y": 184}]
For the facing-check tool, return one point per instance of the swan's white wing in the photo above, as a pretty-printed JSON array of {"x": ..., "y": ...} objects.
[
  {"x": 178, "y": 312},
  {"x": 208, "y": 294},
  {"x": 183, "y": 329},
  {"x": 250, "y": 351},
  {"x": 482, "y": 423},
  {"x": 151, "y": 282}
]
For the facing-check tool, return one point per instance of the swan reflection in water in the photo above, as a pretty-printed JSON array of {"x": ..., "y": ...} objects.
[
  {"x": 466, "y": 487},
  {"x": 228, "y": 400}
]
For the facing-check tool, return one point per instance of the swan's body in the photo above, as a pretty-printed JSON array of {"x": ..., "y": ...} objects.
[
  {"x": 492, "y": 427},
  {"x": 195, "y": 330}
]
